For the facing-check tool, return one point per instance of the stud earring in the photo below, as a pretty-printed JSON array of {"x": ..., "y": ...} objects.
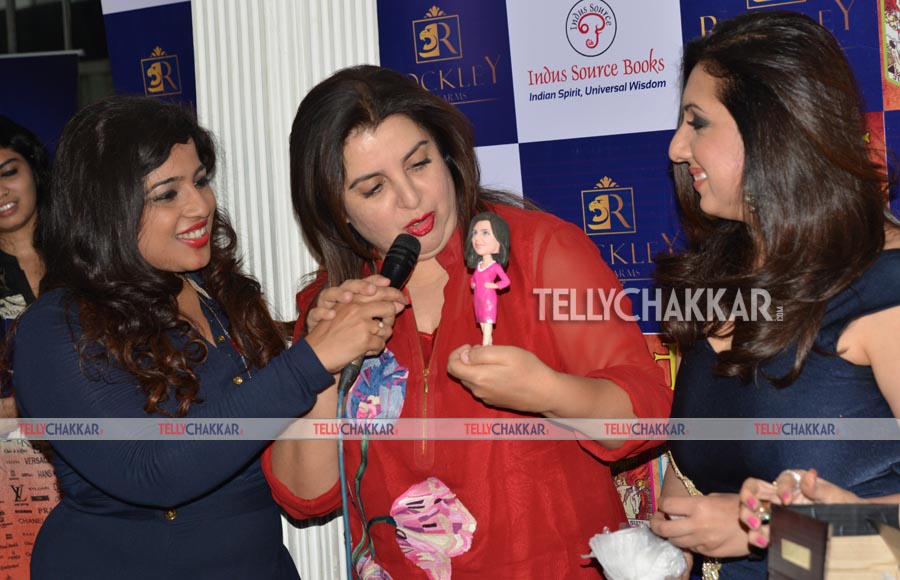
[{"x": 750, "y": 201}]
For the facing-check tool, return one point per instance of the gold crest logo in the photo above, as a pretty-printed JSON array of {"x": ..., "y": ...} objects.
[
  {"x": 751, "y": 4},
  {"x": 437, "y": 37},
  {"x": 608, "y": 209},
  {"x": 162, "y": 76}
]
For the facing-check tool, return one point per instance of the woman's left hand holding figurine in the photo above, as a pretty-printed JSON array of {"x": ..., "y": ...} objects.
[{"x": 505, "y": 376}]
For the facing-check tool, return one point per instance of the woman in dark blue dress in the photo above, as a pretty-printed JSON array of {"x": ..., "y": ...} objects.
[
  {"x": 779, "y": 192},
  {"x": 146, "y": 314}
]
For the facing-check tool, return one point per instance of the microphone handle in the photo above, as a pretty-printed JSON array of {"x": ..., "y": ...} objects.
[
  {"x": 348, "y": 376},
  {"x": 398, "y": 264}
]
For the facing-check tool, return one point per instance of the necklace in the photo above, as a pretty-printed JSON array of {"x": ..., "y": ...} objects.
[
  {"x": 202, "y": 296},
  {"x": 482, "y": 266}
]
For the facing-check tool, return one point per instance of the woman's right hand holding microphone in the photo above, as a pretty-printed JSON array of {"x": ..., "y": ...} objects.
[{"x": 352, "y": 320}]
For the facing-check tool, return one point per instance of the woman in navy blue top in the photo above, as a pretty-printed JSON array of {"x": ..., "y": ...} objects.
[
  {"x": 779, "y": 192},
  {"x": 146, "y": 314}
]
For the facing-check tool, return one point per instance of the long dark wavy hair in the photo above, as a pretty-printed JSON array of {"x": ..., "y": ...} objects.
[
  {"x": 24, "y": 142},
  {"x": 818, "y": 213},
  {"x": 357, "y": 98},
  {"x": 128, "y": 309}
]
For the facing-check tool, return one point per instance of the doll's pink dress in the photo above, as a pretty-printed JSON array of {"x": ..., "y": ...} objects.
[{"x": 486, "y": 298}]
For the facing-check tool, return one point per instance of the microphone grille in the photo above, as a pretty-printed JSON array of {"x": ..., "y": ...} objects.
[
  {"x": 401, "y": 259},
  {"x": 405, "y": 246}
]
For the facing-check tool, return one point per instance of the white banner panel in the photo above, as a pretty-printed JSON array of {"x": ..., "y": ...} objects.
[
  {"x": 594, "y": 67},
  {"x": 500, "y": 167}
]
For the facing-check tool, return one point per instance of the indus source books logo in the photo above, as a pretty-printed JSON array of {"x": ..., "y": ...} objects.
[{"x": 591, "y": 27}]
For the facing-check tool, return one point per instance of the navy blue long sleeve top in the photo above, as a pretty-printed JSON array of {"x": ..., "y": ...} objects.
[{"x": 157, "y": 508}]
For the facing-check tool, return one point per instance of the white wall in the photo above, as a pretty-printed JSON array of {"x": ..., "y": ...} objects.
[{"x": 255, "y": 60}]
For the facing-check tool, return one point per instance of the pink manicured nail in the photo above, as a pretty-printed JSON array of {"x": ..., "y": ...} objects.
[
  {"x": 762, "y": 542},
  {"x": 753, "y": 521},
  {"x": 751, "y": 501},
  {"x": 786, "y": 496}
]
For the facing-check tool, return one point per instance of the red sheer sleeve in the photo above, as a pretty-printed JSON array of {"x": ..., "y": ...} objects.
[
  {"x": 612, "y": 349},
  {"x": 297, "y": 507}
]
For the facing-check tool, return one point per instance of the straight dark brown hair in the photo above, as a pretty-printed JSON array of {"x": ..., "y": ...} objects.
[
  {"x": 360, "y": 98},
  {"x": 818, "y": 213}
]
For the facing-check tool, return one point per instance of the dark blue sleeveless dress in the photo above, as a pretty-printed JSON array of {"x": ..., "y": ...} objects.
[{"x": 828, "y": 387}]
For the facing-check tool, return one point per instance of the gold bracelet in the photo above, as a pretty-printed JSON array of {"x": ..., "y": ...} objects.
[{"x": 711, "y": 566}]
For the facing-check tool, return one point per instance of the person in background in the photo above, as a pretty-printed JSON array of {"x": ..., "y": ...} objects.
[
  {"x": 145, "y": 313},
  {"x": 780, "y": 192},
  {"x": 373, "y": 155},
  {"x": 24, "y": 178}
]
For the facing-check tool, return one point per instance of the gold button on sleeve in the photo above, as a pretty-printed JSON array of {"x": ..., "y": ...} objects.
[
  {"x": 170, "y": 515},
  {"x": 238, "y": 380}
]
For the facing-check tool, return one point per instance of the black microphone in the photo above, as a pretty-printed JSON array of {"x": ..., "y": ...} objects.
[{"x": 398, "y": 265}]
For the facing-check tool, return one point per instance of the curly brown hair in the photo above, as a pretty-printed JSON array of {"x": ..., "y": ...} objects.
[{"x": 127, "y": 309}]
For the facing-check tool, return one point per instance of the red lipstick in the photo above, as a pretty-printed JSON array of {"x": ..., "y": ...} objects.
[
  {"x": 196, "y": 242},
  {"x": 420, "y": 226}
]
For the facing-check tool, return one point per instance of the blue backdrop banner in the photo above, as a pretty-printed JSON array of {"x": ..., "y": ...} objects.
[
  {"x": 46, "y": 92},
  {"x": 460, "y": 53},
  {"x": 151, "y": 49}
]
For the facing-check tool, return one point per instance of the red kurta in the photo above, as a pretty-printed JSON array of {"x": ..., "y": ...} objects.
[{"x": 535, "y": 503}]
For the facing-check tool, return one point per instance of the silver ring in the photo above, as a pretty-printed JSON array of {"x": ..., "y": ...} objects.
[{"x": 796, "y": 477}]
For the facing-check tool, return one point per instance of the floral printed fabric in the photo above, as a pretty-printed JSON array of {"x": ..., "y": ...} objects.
[
  {"x": 367, "y": 569},
  {"x": 432, "y": 527},
  {"x": 380, "y": 390}
]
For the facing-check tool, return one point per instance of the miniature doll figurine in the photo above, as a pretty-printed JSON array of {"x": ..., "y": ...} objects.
[{"x": 487, "y": 252}]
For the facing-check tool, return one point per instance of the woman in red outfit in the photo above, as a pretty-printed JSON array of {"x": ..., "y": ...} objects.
[{"x": 373, "y": 156}]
